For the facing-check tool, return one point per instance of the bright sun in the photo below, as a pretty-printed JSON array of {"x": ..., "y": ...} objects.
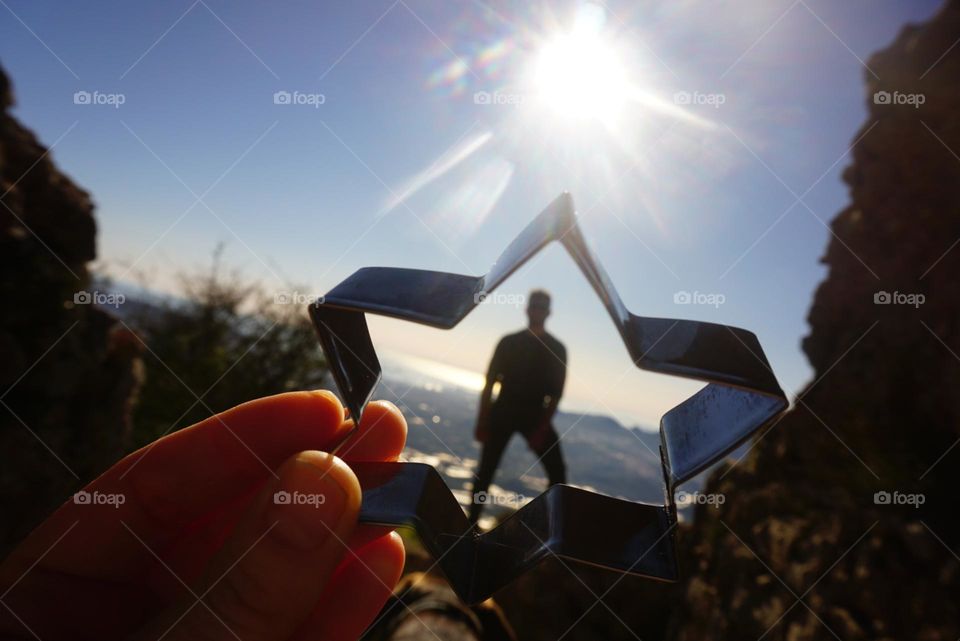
[{"x": 580, "y": 76}]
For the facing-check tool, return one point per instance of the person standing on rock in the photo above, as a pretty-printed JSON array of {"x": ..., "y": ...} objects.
[{"x": 531, "y": 368}]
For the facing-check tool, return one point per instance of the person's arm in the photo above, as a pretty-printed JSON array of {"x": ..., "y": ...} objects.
[
  {"x": 483, "y": 413},
  {"x": 556, "y": 388}
]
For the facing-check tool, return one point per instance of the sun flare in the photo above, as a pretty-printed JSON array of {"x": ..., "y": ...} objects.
[{"x": 580, "y": 76}]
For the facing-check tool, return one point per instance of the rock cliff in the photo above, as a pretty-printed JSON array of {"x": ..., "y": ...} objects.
[
  {"x": 67, "y": 370},
  {"x": 805, "y": 548}
]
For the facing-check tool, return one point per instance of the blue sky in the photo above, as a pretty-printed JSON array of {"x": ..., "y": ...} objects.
[{"x": 673, "y": 197}]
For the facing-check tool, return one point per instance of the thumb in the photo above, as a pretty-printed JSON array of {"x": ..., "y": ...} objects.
[{"x": 268, "y": 577}]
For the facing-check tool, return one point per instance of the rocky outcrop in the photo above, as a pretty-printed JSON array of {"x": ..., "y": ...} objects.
[
  {"x": 805, "y": 547},
  {"x": 67, "y": 371}
]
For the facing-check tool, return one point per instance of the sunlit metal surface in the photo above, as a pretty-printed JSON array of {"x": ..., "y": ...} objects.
[{"x": 741, "y": 396}]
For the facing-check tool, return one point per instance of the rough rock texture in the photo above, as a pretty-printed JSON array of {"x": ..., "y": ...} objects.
[
  {"x": 67, "y": 372},
  {"x": 800, "y": 518}
]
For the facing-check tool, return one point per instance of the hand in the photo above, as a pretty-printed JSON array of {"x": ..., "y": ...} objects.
[
  {"x": 482, "y": 430},
  {"x": 183, "y": 539},
  {"x": 540, "y": 436}
]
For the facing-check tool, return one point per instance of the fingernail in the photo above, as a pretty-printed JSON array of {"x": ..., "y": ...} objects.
[{"x": 312, "y": 499}]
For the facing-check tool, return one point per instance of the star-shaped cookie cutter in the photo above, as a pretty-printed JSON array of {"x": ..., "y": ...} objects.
[{"x": 741, "y": 397}]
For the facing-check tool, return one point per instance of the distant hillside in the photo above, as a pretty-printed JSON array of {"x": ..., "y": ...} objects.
[{"x": 600, "y": 453}]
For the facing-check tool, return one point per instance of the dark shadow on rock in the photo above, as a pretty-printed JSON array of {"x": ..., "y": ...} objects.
[
  {"x": 811, "y": 511},
  {"x": 68, "y": 370}
]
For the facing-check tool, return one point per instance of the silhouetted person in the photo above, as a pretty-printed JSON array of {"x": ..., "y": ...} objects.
[{"x": 531, "y": 367}]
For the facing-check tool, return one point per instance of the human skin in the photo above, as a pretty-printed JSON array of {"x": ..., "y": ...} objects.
[{"x": 198, "y": 547}]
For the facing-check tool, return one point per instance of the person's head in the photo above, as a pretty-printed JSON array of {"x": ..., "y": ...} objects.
[{"x": 538, "y": 307}]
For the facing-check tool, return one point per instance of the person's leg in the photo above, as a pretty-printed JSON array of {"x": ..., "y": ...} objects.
[
  {"x": 551, "y": 457},
  {"x": 489, "y": 460}
]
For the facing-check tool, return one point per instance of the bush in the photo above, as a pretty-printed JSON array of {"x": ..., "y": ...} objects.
[{"x": 223, "y": 343}]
